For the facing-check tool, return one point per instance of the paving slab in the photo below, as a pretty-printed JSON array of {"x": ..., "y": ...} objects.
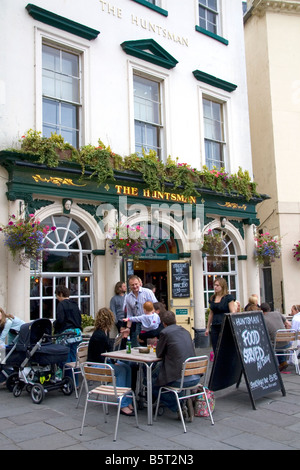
[{"x": 55, "y": 424}]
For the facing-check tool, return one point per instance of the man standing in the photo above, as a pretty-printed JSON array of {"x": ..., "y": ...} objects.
[
  {"x": 116, "y": 304},
  {"x": 133, "y": 304}
]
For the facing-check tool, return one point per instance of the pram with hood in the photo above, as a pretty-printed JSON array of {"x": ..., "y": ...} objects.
[{"x": 35, "y": 358}]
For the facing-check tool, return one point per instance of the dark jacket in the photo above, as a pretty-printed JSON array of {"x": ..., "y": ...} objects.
[
  {"x": 98, "y": 344},
  {"x": 174, "y": 346},
  {"x": 68, "y": 316}
]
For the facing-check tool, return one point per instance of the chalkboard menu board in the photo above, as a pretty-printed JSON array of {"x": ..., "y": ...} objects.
[
  {"x": 244, "y": 347},
  {"x": 180, "y": 280}
]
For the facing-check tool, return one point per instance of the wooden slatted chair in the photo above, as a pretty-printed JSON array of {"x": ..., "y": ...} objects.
[
  {"x": 287, "y": 336},
  {"x": 192, "y": 366},
  {"x": 75, "y": 367},
  {"x": 106, "y": 392}
]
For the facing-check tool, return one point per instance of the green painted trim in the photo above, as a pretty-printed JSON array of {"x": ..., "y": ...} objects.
[
  {"x": 212, "y": 35},
  {"x": 60, "y": 22},
  {"x": 152, "y": 7},
  {"x": 240, "y": 226},
  {"x": 184, "y": 255},
  {"x": 242, "y": 257},
  {"x": 98, "y": 252},
  {"x": 163, "y": 257},
  {"x": 214, "y": 81},
  {"x": 158, "y": 55}
]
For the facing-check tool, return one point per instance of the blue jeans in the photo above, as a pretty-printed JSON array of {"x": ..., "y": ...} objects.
[
  {"x": 169, "y": 399},
  {"x": 71, "y": 358}
]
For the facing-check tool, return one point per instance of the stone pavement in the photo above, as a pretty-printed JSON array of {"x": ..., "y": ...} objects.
[{"x": 55, "y": 424}]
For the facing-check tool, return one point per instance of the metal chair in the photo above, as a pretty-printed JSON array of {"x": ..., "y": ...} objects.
[
  {"x": 106, "y": 392},
  {"x": 289, "y": 337},
  {"x": 75, "y": 367},
  {"x": 117, "y": 342},
  {"x": 192, "y": 366}
]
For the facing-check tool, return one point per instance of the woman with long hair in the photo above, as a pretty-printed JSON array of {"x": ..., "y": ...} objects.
[
  {"x": 9, "y": 327},
  {"x": 221, "y": 302},
  {"x": 100, "y": 343}
]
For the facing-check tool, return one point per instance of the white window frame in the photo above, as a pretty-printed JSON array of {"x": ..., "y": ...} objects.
[
  {"x": 218, "y": 13},
  {"x": 231, "y": 273},
  {"x": 224, "y": 99},
  {"x": 162, "y": 78},
  {"x": 221, "y": 21},
  {"x": 60, "y": 238},
  {"x": 51, "y": 38}
]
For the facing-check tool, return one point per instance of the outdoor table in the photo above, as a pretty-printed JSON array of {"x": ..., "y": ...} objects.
[{"x": 148, "y": 359}]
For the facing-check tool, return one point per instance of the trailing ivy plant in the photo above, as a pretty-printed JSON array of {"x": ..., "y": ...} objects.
[
  {"x": 102, "y": 162},
  {"x": 151, "y": 168},
  {"x": 46, "y": 148}
]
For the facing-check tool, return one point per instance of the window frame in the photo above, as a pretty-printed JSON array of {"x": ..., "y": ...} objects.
[
  {"x": 224, "y": 99},
  {"x": 232, "y": 258},
  {"x": 59, "y": 243},
  {"x": 221, "y": 142},
  {"x": 220, "y": 23},
  {"x": 216, "y": 12},
  {"x": 47, "y": 37},
  {"x": 153, "y": 6},
  {"x": 162, "y": 78},
  {"x": 62, "y": 100}
]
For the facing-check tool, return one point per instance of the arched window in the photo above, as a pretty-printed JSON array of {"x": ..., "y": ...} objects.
[
  {"x": 160, "y": 242},
  {"x": 68, "y": 261},
  {"x": 223, "y": 266}
]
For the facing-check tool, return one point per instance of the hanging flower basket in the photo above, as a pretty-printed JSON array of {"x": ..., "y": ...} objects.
[
  {"x": 128, "y": 241},
  {"x": 25, "y": 238},
  {"x": 296, "y": 251},
  {"x": 267, "y": 249},
  {"x": 213, "y": 244}
]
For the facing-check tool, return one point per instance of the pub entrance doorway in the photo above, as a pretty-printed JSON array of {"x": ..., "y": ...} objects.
[
  {"x": 161, "y": 265},
  {"x": 154, "y": 272}
]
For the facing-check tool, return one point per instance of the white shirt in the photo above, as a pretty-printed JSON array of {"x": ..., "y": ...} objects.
[
  {"x": 296, "y": 322},
  {"x": 133, "y": 305},
  {"x": 149, "y": 322}
]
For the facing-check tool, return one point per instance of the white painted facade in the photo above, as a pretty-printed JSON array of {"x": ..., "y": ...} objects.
[
  {"x": 273, "y": 84},
  {"x": 108, "y": 108}
]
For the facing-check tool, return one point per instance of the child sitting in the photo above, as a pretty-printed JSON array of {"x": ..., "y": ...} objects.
[{"x": 150, "y": 320}]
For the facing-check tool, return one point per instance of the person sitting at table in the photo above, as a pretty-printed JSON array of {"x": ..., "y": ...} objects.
[
  {"x": 174, "y": 346},
  {"x": 9, "y": 327},
  {"x": 252, "y": 302},
  {"x": 100, "y": 343},
  {"x": 294, "y": 310},
  {"x": 276, "y": 321}
]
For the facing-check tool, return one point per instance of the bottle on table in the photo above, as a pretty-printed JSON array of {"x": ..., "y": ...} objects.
[{"x": 128, "y": 345}]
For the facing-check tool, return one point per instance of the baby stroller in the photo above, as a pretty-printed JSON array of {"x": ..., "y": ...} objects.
[{"x": 35, "y": 357}]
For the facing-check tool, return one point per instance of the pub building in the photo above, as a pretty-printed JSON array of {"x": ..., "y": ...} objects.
[{"x": 126, "y": 86}]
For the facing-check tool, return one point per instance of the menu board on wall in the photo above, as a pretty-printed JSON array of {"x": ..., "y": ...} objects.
[{"x": 180, "y": 280}]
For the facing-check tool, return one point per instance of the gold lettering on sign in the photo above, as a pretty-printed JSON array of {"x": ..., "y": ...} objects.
[
  {"x": 159, "y": 195},
  {"x": 56, "y": 180},
  {"x": 233, "y": 205}
]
